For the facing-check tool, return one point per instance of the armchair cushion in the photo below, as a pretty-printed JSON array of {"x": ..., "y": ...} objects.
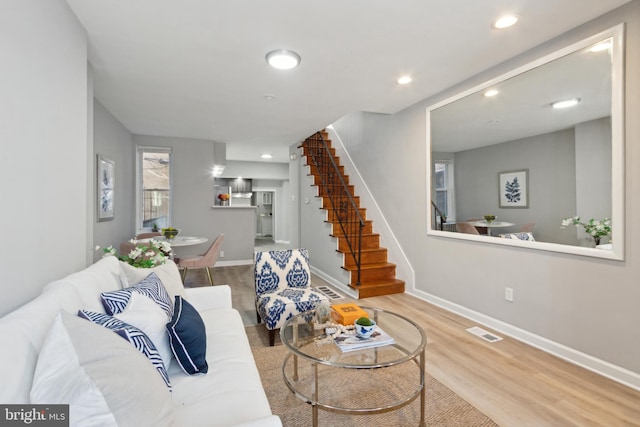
[{"x": 276, "y": 307}]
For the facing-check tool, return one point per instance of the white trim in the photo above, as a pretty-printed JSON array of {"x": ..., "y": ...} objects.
[
  {"x": 591, "y": 363},
  {"x": 404, "y": 269}
]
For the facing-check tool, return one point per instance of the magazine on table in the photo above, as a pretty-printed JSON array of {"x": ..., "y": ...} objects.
[{"x": 351, "y": 342}]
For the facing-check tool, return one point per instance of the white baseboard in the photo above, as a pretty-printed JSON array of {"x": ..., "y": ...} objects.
[
  {"x": 616, "y": 373},
  {"x": 234, "y": 262}
]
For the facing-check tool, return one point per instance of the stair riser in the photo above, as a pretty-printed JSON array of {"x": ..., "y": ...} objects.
[
  {"x": 350, "y": 215},
  {"x": 376, "y": 291},
  {"x": 336, "y": 189},
  {"x": 317, "y": 180},
  {"x": 368, "y": 242},
  {"x": 374, "y": 274},
  {"x": 309, "y": 152},
  {"x": 339, "y": 201},
  {"x": 337, "y": 230},
  {"x": 375, "y": 257},
  {"x": 314, "y": 170}
]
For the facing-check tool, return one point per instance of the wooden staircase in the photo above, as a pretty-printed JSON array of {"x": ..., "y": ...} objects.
[{"x": 376, "y": 276}]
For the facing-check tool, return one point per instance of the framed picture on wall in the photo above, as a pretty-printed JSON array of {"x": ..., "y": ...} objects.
[
  {"x": 513, "y": 189},
  {"x": 105, "y": 193}
]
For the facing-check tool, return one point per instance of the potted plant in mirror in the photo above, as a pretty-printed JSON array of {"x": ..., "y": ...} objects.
[{"x": 596, "y": 229}]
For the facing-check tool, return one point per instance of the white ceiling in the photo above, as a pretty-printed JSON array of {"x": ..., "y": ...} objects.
[{"x": 196, "y": 68}]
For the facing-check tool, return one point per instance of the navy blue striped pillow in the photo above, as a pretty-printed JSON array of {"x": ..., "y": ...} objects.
[
  {"x": 151, "y": 286},
  {"x": 132, "y": 334},
  {"x": 188, "y": 338}
]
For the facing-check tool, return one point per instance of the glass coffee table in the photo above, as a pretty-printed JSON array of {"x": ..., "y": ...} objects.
[{"x": 364, "y": 381}]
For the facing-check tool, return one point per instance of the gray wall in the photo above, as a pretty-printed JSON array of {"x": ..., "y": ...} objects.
[
  {"x": 112, "y": 140},
  {"x": 44, "y": 176},
  {"x": 588, "y": 305},
  {"x": 550, "y": 159}
]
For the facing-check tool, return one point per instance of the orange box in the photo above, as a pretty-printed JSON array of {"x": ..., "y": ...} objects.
[{"x": 346, "y": 314}]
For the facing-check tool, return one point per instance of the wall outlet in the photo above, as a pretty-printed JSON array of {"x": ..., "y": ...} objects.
[
  {"x": 508, "y": 294},
  {"x": 221, "y": 254}
]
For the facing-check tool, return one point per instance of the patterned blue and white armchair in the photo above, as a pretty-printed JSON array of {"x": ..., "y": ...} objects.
[{"x": 283, "y": 287}]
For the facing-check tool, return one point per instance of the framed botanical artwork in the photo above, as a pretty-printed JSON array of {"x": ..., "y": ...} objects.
[
  {"x": 105, "y": 193},
  {"x": 513, "y": 189}
]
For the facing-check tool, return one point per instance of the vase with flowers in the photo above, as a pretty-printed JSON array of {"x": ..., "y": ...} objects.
[
  {"x": 145, "y": 255},
  {"x": 596, "y": 229},
  {"x": 224, "y": 199}
]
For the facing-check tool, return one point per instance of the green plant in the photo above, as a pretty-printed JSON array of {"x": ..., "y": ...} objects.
[
  {"x": 596, "y": 229},
  {"x": 364, "y": 321},
  {"x": 144, "y": 255}
]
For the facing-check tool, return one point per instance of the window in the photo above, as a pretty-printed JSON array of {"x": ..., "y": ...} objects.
[
  {"x": 153, "y": 195},
  {"x": 444, "y": 194}
]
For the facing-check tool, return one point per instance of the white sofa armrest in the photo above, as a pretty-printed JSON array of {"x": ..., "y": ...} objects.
[
  {"x": 209, "y": 297},
  {"x": 270, "y": 421}
]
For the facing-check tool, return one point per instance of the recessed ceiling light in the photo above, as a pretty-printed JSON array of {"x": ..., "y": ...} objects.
[
  {"x": 505, "y": 22},
  {"x": 605, "y": 45},
  {"x": 404, "y": 80},
  {"x": 270, "y": 97},
  {"x": 283, "y": 59},
  {"x": 491, "y": 92},
  {"x": 566, "y": 103},
  {"x": 266, "y": 156}
]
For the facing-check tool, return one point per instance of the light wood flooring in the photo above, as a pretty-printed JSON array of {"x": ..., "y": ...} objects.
[{"x": 512, "y": 383}]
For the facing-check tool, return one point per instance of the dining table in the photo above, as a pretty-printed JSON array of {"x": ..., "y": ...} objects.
[
  {"x": 492, "y": 224},
  {"x": 186, "y": 240}
]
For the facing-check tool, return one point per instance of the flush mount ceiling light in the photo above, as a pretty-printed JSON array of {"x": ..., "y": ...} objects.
[
  {"x": 505, "y": 22},
  {"x": 566, "y": 103},
  {"x": 283, "y": 59},
  {"x": 266, "y": 156},
  {"x": 404, "y": 80},
  {"x": 491, "y": 92}
]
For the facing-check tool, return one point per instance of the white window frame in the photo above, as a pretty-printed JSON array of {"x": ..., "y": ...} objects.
[
  {"x": 140, "y": 149},
  {"x": 449, "y": 187}
]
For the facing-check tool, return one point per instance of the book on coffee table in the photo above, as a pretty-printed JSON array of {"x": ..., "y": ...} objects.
[{"x": 350, "y": 342}]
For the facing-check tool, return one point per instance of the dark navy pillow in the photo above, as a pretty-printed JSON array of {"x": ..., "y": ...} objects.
[{"x": 188, "y": 338}]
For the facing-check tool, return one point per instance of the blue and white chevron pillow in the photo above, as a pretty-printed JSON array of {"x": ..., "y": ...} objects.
[
  {"x": 132, "y": 334},
  {"x": 151, "y": 286}
]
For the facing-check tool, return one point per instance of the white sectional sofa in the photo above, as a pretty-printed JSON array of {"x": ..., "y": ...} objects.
[{"x": 229, "y": 394}]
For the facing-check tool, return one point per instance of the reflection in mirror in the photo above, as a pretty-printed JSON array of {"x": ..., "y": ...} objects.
[{"x": 505, "y": 149}]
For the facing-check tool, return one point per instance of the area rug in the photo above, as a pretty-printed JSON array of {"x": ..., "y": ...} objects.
[{"x": 443, "y": 407}]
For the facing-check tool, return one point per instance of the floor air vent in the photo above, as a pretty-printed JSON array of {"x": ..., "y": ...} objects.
[
  {"x": 328, "y": 292},
  {"x": 485, "y": 335}
]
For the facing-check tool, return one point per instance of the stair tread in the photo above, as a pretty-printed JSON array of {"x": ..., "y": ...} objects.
[{"x": 370, "y": 266}]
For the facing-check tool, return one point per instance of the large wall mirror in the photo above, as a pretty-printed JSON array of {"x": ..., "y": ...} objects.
[{"x": 504, "y": 149}]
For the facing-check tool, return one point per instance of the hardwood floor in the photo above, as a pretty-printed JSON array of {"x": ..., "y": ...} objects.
[{"x": 512, "y": 383}]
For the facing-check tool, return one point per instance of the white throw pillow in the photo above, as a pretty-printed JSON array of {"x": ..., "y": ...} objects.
[
  {"x": 168, "y": 274},
  {"x": 103, "y": 378},
  {"x": 143, "y": 313}
]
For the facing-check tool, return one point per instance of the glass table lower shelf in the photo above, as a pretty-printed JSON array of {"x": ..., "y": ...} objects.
[{"x": 365, "y": 381}]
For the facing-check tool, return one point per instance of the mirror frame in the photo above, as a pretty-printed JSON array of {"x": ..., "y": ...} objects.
[{"x": 616, "y": 34}]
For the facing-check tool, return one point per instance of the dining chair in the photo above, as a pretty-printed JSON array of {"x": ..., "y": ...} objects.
[
  {"x": 481, "y": 230},
  {"x": 283, "y": 288},
  {"x": 465, "y": 227},
  {"x": 148, "y": 235},
  {"x": 528, "y": 227},
  {"x": 206, "y": 261}
]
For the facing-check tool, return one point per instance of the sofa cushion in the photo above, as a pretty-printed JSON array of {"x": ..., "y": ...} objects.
[
  {"x": 151, "y": 286},
  {"x": 135, "y": 336},
  {"x": 167, "y": 272},
  {"x": 76, "y": 366},
  {"x": 188, "y": 338},
  {"x": 146, "y": 315}
]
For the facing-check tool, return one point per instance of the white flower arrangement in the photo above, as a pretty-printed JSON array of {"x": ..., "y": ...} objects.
[
  {"x": 144, "y": 255},
  {"x": 596, "y": 229}
]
